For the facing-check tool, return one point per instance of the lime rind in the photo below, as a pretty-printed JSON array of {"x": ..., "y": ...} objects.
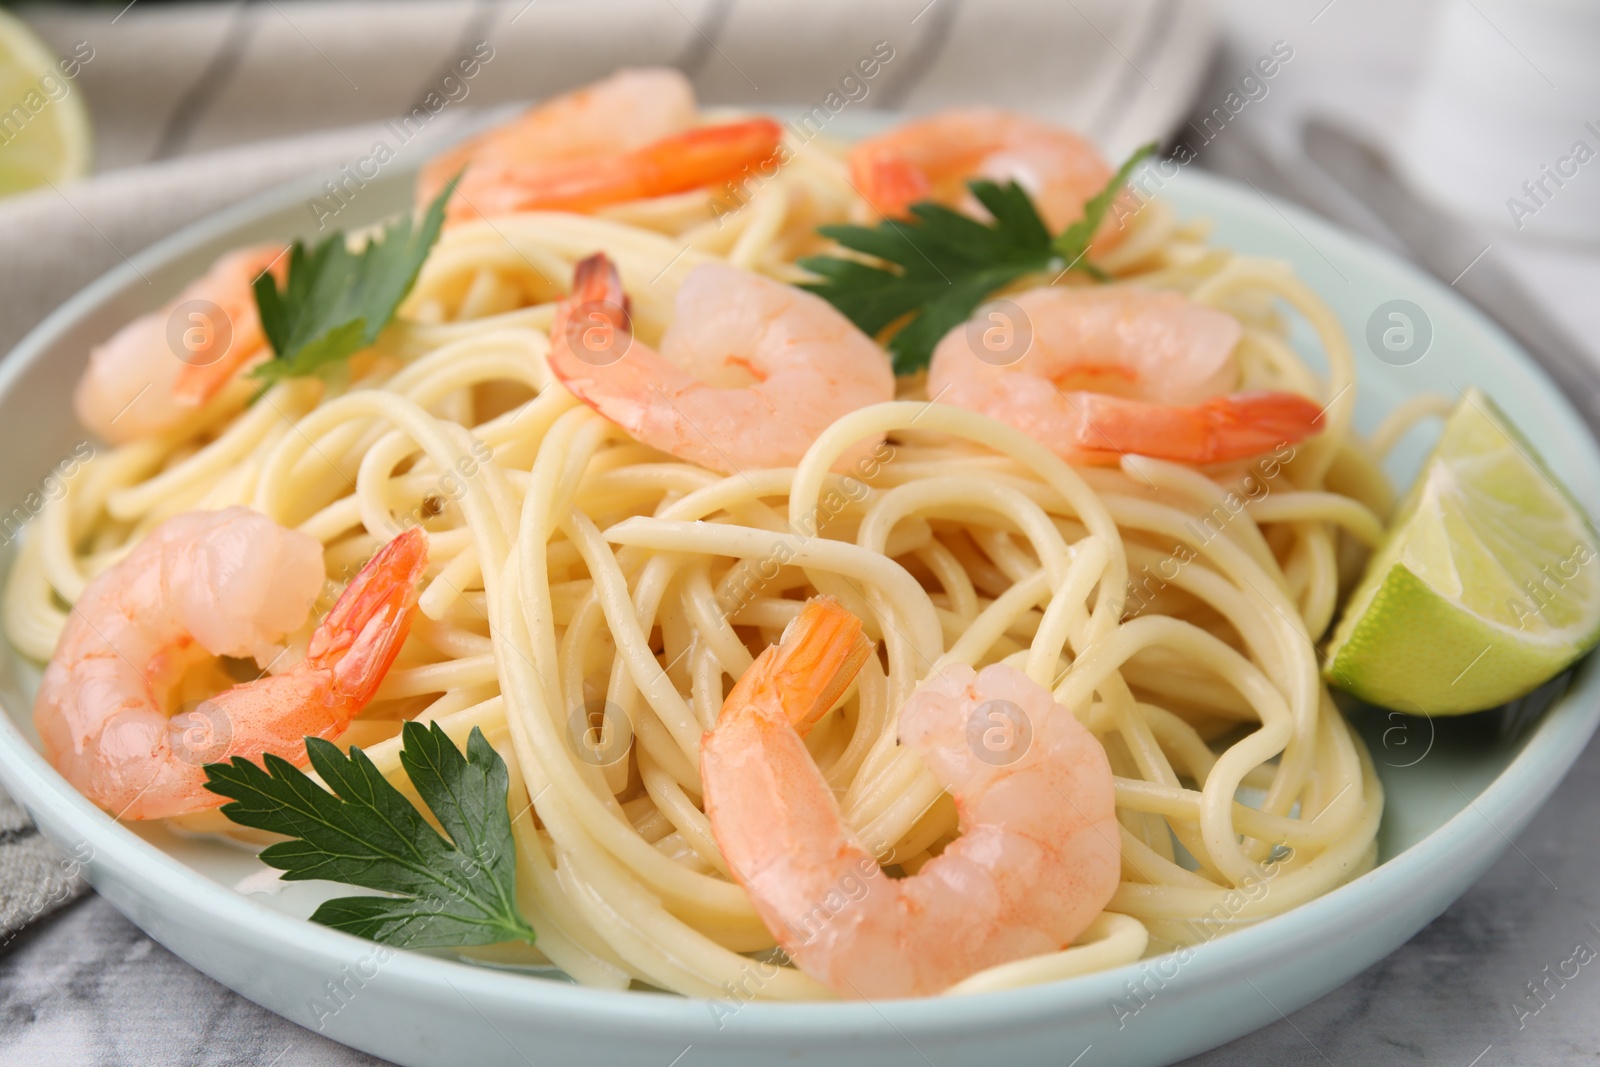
[
  {"x": 1487, "y": 586},
  {"x": 1449, "y": 661}
]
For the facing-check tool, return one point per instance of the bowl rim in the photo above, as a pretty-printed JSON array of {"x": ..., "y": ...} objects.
[{"x": 1511, "y": 797}]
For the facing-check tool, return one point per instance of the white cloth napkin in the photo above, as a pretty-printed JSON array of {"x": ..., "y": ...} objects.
[{"x": 195, "y": 107}]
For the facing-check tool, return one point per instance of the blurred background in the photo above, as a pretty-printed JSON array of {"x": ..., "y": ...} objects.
[{"x": 1462, "y": 134}]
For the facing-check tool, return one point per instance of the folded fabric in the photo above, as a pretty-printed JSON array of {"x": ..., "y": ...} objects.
[
  {"x": 166, "y": 80},
  {"x": 36, "y": 877}
]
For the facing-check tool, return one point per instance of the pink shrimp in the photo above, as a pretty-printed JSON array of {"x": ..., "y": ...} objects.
[
  {"x": 1039, "y": 853},
  {"x": 629, "y": 137},
  {"x": 750, "y": 372},
  {"x": 1094, "y": 373},
  {"x": 204, "y": 584},
  {"x": 932, "y": 158},
  {"x": 161, "y": 367}
]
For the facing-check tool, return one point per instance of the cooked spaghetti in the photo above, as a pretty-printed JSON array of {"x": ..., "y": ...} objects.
[{"x": 589, "y": 600}]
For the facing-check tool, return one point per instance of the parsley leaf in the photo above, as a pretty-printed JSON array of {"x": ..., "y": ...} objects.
[
  {"x": 940, "y": 264},
  {"x": 366, "y": 833},
  {"x": 335, "y": 302}
]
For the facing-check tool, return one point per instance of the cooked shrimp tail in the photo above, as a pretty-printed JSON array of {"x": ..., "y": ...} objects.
[
  {"x": 1039, "y": 852},
  {"x": 217, "y": 355},
  {"x": 1241, "y": 425},
  {"x": 890, "y": 184},
  {"x": 160, "y": 368},
  {"x": 809, "y": 670},
  {"x": 595, "y": 283},
  {"x": 1237, "y": 426},
  {"x": 362, "y": 634},
  {"x": 707, "y": 155},
  {"x": 623, "y": 112},
  {"x": 206, "y": 584},
  {"x": 693, "y": 159}
]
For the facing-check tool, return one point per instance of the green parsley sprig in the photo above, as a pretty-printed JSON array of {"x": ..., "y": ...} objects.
[
  {"x": 460, "y": 891},
  {"x": 939, "y": 265},
  {"x": 335, "y": 302}
]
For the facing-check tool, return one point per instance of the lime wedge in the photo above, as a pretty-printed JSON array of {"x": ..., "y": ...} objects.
[
  {"x": 44, "y": 130},
  {"x": 1488, "y": 583}
]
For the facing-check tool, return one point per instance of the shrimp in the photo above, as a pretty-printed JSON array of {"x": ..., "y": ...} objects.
[
  {"x": 750, "y": 372},
  {"x": 1104, "y": 371},
  {"x": 1039, "y": 853},
  {"x": 161, "y": 367},
  {"x": 932, "y": 159},
  {"x": 628, "y": 137},
  {"x": 203, "y": 584}
]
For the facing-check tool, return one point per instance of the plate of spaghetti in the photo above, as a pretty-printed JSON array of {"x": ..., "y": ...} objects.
[{"x": 665, "y": 582}]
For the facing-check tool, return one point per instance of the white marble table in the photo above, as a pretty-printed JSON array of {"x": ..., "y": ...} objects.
[{"x": 88, "y": 987}]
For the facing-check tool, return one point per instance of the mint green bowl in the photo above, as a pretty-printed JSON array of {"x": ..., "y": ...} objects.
[{"x": 1457, "y": 791}]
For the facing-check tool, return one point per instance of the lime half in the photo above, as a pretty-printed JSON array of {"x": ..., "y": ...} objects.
[
  {"x": 44, "y": 130},
  {"x": 1488, "y": 583}
]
